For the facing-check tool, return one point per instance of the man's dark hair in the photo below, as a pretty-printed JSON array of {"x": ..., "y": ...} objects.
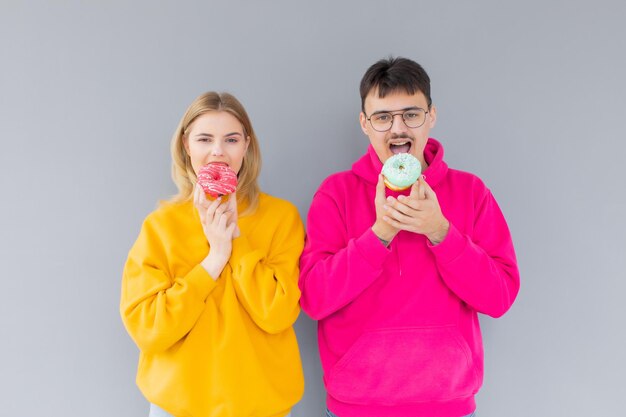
[{"x": 395, "y": 74}]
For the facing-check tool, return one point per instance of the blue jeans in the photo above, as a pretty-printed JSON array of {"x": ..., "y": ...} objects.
[
  {"x": 330, "y": 414},
  {"x": 156, "y": 411}
]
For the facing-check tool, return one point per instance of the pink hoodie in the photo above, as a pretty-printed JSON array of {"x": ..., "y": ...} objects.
[{"x": 398, "y": 328}]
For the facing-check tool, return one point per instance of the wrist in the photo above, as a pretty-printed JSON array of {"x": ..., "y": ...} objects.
[
  {"x": 382, "y": 234},
  {"x": 440, "y": 234},
  {"x": 214, "y": 264}
]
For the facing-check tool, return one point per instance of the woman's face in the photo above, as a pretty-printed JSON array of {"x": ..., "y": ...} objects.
[{"x": 216, "y": 136}]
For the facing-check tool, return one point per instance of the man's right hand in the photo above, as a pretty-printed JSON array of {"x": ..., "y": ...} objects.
[{"x": 381, "y": 228}]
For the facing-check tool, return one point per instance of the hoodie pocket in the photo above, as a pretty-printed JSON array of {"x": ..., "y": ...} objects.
[{"x": 393, "y": 366}]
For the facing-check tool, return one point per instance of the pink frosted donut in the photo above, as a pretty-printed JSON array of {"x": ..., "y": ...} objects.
[{"x": 217, "y": 179}]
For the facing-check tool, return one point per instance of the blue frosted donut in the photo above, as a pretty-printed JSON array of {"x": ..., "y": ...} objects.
[{"x": 401, "y": 171}]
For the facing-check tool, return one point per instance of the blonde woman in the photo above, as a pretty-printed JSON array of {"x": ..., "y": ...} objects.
[{"x": 210, "y": 288}]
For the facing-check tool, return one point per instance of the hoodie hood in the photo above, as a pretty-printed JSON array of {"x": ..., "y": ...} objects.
[{"x": 369, "y": 166}]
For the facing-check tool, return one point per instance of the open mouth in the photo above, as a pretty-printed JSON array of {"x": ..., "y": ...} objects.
[{"x": 400, "y": 147}]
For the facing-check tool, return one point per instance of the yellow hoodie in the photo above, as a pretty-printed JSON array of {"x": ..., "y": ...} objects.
[{"x": 216, "y": 348}]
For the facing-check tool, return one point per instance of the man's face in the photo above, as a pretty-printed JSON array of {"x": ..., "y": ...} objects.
[{"x": 399, "y": 138}]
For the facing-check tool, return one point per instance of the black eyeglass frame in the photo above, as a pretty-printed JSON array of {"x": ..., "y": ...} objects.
[{"x": 393, "y": 115}]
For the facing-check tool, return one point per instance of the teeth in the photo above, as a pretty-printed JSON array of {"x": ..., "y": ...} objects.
[{"x": 400, "y": 143}]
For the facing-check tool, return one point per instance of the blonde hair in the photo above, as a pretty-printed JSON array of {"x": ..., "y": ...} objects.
[{"x": 182, "y": 172}]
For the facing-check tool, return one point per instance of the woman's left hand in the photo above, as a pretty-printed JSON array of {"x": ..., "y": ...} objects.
[{"x": 202, "y": 204}]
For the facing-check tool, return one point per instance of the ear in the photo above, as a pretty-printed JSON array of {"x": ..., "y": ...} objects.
[
  {"x": 363, "y": 122},
  {"x": 433, "y": 116},
  {"x": 247, "y": 144}
]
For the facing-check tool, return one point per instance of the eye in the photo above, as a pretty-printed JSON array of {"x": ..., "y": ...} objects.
[
  {"x": 204, "y": 139},
  {"x": 411, "y": 115},
  {"x": 232, "y": 140},
  {"x": 382, "y": 117}
]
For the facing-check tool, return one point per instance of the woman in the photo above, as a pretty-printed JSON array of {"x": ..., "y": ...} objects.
[{"x": 210, "y": 288}]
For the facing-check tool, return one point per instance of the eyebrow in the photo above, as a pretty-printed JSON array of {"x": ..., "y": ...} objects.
[
  {"x": 394, "y": 111},
  {"x": 211, "y": 135}
]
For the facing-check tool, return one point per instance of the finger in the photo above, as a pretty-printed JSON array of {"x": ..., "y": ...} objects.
[
  {"x": 232, "y": 200},
  {"x": 411, "y": 200},
  {"x": 421, "y": 190},
  {"x": 429, "y": 194},
  {"x": 196, "y": 201},
  {"x": 221, "y": 209},
  {"x": 225, "y": 210},
  {"x": 202, "y": 200},
  {"x": 212, "y": 208},
  {"x": 222, "y": 221},
  {"x": 398, "y": 215},
  {"x": 227, "y": 214},
  {"x": 380, "y": 188},
  {"x": 415, "y": 190},
  {"x": 399, "y": 225},
  {"x": 404, "y": 205}
]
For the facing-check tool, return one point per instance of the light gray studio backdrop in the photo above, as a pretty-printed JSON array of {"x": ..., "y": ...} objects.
[{"x": 531, "y": 97}]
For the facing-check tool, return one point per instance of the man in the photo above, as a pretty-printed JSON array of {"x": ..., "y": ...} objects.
[{"x": 396, "y": 279}]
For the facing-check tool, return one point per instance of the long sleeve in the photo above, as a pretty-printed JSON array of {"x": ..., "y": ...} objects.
[
  {"x": 335, "y": 269},
  {"x": 267, "y": 286},
  {"x": 159, "y": 309},
  {"x": 481, "y": 269}
]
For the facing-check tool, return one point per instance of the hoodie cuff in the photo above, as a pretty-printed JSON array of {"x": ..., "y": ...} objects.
[
  {"x": 372, "y": 249},
  {"x": 200, "y": 280},
  {"x": 451, "y": 247}
]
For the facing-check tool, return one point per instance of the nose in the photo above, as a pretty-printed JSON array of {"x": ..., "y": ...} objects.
[
  {"x": 216, "y": 149},
  {"x": 398, "y": 126}
]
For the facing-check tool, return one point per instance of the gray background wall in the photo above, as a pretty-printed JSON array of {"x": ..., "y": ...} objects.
[{"x": 530, "y": 97}]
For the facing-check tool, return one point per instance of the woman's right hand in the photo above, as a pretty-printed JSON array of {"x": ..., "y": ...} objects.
[{"x": 215, "y": 217}]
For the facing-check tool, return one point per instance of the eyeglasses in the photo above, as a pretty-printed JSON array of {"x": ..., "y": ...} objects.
[{"x": 382, "y": 122}]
